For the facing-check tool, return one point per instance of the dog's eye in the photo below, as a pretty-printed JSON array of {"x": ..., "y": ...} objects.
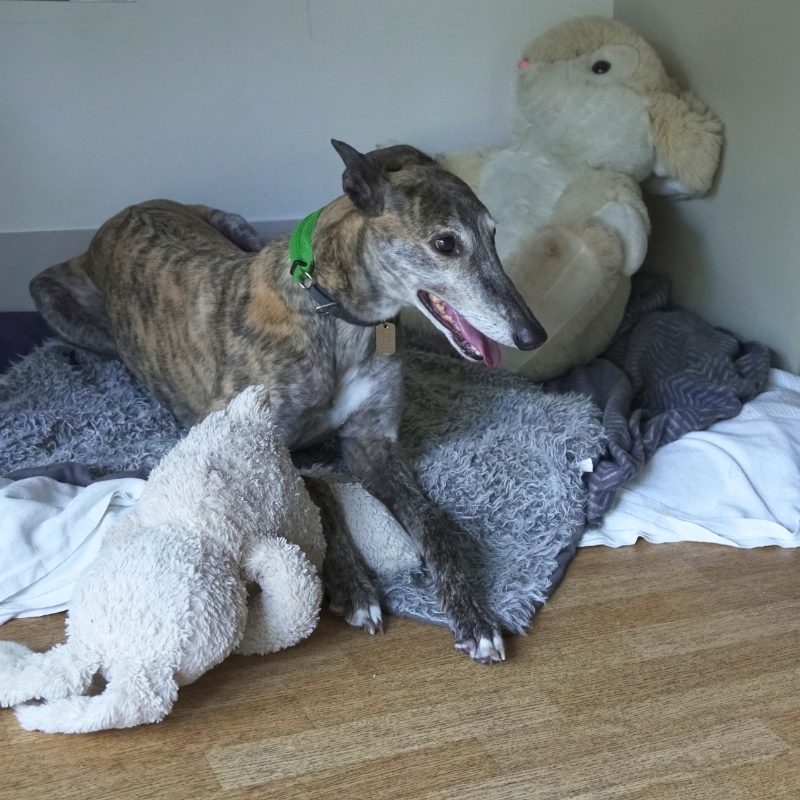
[
  {"x": 445, "y": 244},
  {"x": 601, "y": 67}
]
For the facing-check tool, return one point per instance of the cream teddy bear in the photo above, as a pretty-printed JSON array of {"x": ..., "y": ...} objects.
[
  {"x": 595, "y": 115},
  {"x": 165, "y": 598}
]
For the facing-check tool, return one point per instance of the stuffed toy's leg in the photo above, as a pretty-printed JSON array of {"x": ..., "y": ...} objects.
[
  {"x": 287, "y": 608},
  {"x": 156, "y": 609},
  {"x": 25, "y": 675},
  {"x": 61, "y": 675},
  {"x": 132, "y": 697},
  {"x": 578, "y": 293}
]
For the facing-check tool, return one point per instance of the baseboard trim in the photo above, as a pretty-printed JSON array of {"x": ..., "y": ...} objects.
[{"x": 24, "y": 254}]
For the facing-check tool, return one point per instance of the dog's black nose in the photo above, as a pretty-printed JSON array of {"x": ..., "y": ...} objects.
[{"x": 530, "y": 336}]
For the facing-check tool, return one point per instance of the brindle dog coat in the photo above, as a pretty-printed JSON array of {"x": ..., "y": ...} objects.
[{"x": 197, "y": 309}]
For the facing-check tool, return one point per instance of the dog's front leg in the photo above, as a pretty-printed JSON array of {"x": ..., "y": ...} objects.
[{"x": 375, "y": 459}]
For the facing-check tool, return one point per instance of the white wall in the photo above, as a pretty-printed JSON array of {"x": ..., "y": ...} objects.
[
  {"x": 233, "y": 102},
  {"x": 735, "y": 256}
]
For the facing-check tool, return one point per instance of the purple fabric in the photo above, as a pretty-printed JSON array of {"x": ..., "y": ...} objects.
[
  {"x": 20, "y": 333},
  {"x": 74, "y": 473}
]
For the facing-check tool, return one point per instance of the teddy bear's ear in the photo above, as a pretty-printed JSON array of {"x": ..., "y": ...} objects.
[{"x": 688, "y": 143}]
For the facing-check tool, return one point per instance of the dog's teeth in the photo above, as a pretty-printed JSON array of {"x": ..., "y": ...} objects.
[
  {"x": 448, "y": 317},
  {"x": 435, "y": 298}
]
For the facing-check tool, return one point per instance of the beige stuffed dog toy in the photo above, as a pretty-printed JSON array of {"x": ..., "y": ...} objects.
[
  {"x": 596, "y": 115},
  {"x": 164, "y": 600}
]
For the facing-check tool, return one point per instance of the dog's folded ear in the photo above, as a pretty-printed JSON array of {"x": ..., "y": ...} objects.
[
  {"x": 394, "y": 158},
  {"x": 362, "y": 180}
]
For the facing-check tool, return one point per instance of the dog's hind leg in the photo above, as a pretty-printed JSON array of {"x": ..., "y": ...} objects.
[
  {"x": 345, "y": 573},
  {"x": 132, "y": 697},
  {"x": 73, "y": 306},
  {"x": 25, "y": 675},
  {"x": 233, "y": 227}
]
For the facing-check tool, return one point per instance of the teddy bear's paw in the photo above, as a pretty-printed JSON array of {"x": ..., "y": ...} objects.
[{"x": 632, "y": 229}]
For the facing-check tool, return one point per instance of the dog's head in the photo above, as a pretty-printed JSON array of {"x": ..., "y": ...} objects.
[{"x": 429, "y": 243}]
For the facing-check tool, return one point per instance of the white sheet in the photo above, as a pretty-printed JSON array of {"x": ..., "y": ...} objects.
[
  {"x": 737, "y": 483},
  {"x": 49, "y": 533}
]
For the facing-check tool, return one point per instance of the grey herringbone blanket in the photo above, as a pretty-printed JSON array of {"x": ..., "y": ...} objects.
[{"x": 666, "y": 373}]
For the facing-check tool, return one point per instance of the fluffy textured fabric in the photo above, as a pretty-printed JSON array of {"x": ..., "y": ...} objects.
[
  {"x": 165, "y": 599},
  {"x": 504, "y": 461},
  {"x": 62, "y": 403},
  {"x": 500, "y": 456}
]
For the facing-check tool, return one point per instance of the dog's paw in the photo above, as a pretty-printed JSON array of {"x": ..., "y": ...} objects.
[
  {"x": 370, "y": 619},
  {"x": 476, "y": 633},
  {"x": 360, "y": 608},
  {"x": 485, "y": 650}
]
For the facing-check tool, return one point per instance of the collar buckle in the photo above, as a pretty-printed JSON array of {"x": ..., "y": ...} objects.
[{"x": 301, "y": 272}]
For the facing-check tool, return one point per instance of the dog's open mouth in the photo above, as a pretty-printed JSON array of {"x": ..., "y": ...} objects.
[{"x": 472, "y": 343}]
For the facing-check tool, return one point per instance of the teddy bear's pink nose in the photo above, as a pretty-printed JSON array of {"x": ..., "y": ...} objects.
[{"x": 524, "y": 64}]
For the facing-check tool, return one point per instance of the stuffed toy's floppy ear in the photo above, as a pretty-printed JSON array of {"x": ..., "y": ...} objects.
[
  {"x": 688, "y": 142},
  {"x": 252, "y": 403},
  {"x": 362, "y": 181}
]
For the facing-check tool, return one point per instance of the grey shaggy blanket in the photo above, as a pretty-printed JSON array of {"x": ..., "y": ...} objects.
[
  {"x": 62, "y": 403},
  {"x": 498, "y": 455},
  {"x": 503, "y": 460}
]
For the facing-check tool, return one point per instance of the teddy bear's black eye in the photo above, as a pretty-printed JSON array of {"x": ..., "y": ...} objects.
[{"x": 601, "y": 67}]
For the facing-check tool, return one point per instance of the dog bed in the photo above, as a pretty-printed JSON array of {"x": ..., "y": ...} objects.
[
  {"x": 666, "y": 374},
  {"x": 501, "y": 457}
]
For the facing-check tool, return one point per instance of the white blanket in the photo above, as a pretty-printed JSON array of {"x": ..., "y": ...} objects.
[
  {"x": 737, "y": 483},
  {"x": 49, "y": 532}
]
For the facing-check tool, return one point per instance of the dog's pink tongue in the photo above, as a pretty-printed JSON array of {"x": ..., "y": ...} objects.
[{"x": 487, "y": 347}]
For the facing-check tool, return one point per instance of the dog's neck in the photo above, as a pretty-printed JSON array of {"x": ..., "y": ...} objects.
[{"x": 346, "y": 261}]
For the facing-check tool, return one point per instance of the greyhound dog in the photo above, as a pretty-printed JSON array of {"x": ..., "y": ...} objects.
[{"x": 198, "y": 309}]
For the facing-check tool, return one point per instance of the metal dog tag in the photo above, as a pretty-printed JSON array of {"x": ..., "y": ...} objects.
[{"x": 384, "y": 339}]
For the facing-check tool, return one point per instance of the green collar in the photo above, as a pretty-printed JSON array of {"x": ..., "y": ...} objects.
[
  {"x": 302, "y": 256},
  {"x": 300, "y": 250}
]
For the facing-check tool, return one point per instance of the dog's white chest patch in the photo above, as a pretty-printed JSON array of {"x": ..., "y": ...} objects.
[{"x": 353, "y": 391}]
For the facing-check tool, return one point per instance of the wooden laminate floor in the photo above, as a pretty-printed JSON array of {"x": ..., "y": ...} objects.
[{"x": 664, "y": 672}]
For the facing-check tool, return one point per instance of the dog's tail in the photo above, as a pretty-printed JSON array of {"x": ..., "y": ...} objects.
[{"x": 60, "y": 676}]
